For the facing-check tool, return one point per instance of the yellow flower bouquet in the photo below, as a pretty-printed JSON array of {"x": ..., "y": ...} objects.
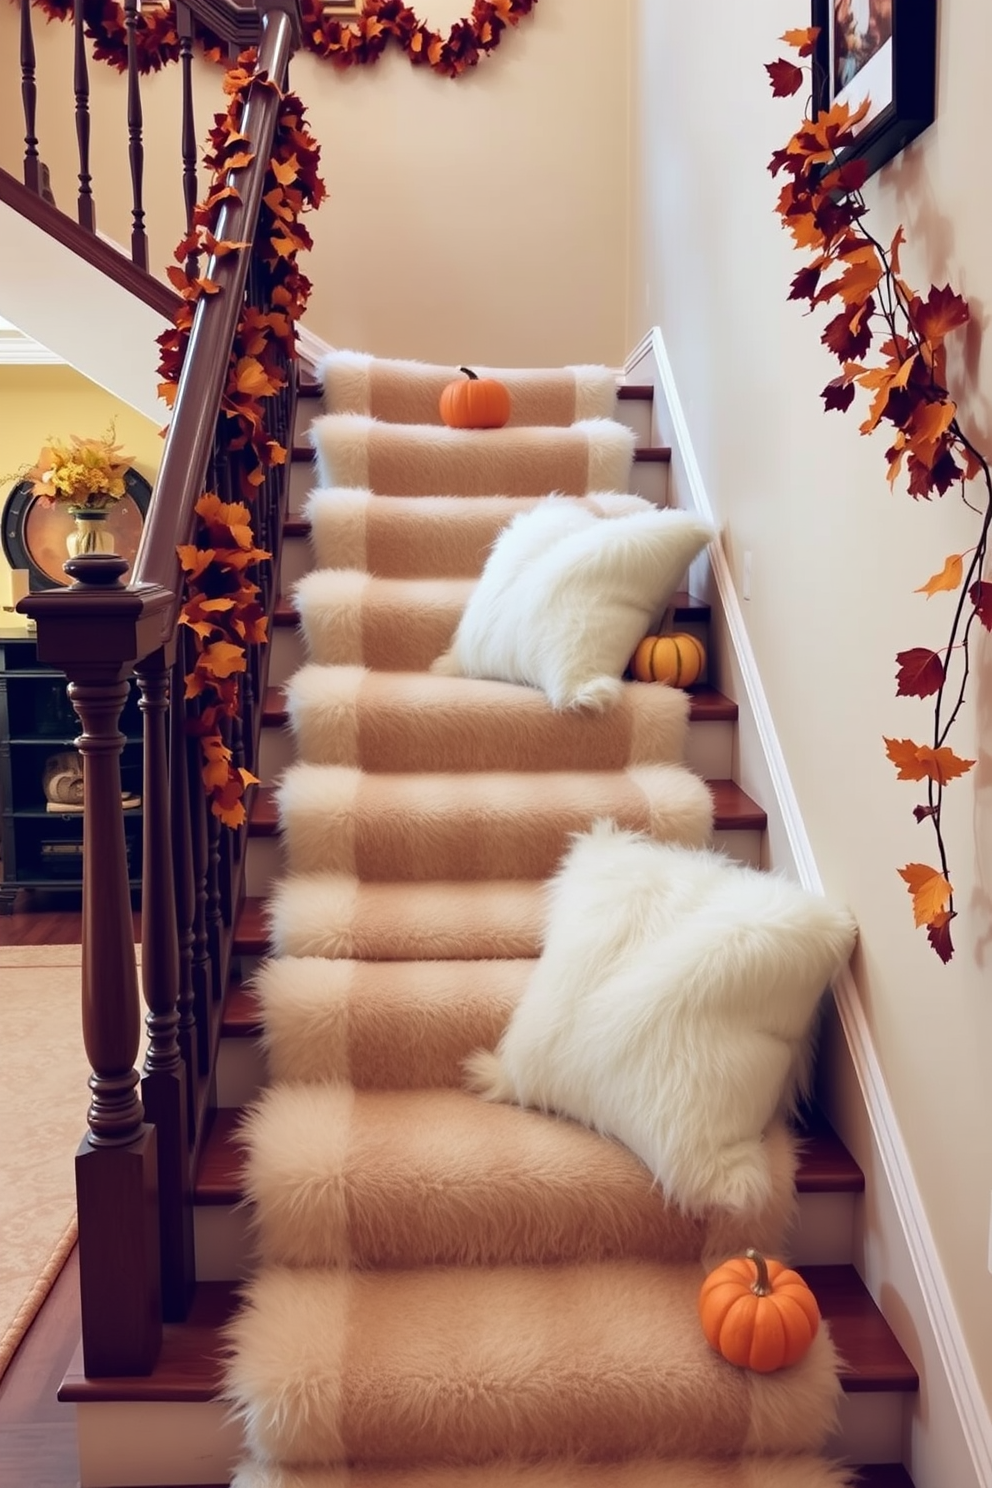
[{"x": 87, "y": 474}]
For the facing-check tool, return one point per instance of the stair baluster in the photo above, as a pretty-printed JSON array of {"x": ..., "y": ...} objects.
[
  {"x": 135, "y": 148},
  {"x": 163, "y": 1087},
  {"x": 117, "y": 1163},
  {"x": 182, "y": 862},
  {"x": 184, "y": 27},
  {"x": 29, "y": 96},
  {"x": 202, "y": 971},
  {"x": 81, "y": 85}
]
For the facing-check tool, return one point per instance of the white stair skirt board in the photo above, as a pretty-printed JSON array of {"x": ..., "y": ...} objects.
[
  {"x": 132, "y": 1444},
  {"x": 949, "y": 1419}
]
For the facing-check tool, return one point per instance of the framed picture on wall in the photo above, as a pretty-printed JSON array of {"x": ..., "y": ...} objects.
[{"x": 883, "y": 50}]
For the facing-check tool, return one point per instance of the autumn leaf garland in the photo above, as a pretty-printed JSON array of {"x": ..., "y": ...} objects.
[
  {"x": 221, "y": 606},
  {"x": 346, "y": 43},
  {"x": 877, "y": 312}
]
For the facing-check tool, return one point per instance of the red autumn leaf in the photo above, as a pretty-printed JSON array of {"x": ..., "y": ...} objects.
[
  {"x": 980, "y": 595},
  {"x": 786, "y": 78},
  {"x": 939, "y": 934},
  {"x": 838, "y": 394},
  {"x": 849, "y": 177},
  {"x": 804, "y": 284},
  {"x": 849, "y": 334},
  {"x": 920, "y": 673},
  {"x": 940, "y": 313},
  {"x": 930, "y": 890}
]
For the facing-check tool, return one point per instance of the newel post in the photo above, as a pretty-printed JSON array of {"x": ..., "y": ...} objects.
[{"x": 91, "y": 632}]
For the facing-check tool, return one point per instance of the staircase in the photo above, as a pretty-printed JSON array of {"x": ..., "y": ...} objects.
[{"x": 171, "y": 1427}]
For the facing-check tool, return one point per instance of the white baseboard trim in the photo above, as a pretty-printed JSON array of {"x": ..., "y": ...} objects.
[{"x": 688, "y": 489}]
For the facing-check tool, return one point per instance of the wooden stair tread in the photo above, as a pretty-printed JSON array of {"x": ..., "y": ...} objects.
[
  {"x": 824, "y": 1166},
  {"x": 706, "y": 705},
  {"x": 733, "y": 810},
  {"x": 884, "y": 1475},
  {"x": 191, "y": 1364},
  {"x": 635, "y": 392}
]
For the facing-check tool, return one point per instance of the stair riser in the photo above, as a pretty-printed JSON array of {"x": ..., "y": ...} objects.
[
  {"x": 709, "y": 751},
  {"x": 223, "y": 1236},
  {"x": 649, "y": 478},
  {"x": 265, "y": 862},
  {"x": 130, "y": 1445}
]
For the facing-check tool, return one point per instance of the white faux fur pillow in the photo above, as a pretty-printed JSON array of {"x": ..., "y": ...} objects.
[
  {"x": 568, "y": 591},
  {"x": 672, "y": 1008}
]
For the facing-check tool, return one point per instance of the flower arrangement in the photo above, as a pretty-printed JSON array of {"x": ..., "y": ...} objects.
[{"x": 86, "y": 474}]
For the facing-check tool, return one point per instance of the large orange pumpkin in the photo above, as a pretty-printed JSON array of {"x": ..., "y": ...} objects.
[
  {"x": 476, "y": 403},
  {"x": 757, "y": 1313},
  {"x": 677, "y": 659}
]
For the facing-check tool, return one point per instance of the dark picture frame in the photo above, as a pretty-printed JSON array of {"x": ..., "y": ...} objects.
[
  {"x": 33, "y": 533},
  {"x": 887, "y": 50}
]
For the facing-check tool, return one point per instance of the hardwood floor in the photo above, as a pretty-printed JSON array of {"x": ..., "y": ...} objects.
[
  {"x": 37, "y": 1433},
  {"x": 46, "y": 919}
]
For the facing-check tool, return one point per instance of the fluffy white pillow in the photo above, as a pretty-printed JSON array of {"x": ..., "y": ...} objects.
[
  {"x": 568, "y": 591},
  {"x": 672, "y": 1008}
]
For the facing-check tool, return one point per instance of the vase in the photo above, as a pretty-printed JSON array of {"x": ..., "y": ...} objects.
[{"x": 90, "y": 533}]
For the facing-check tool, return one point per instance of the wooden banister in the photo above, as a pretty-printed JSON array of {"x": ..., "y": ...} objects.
[
  {"x": 133, "y": 1168},
  {"x": 201, "y": 382}
]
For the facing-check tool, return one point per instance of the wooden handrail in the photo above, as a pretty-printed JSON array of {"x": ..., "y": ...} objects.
[
  {"x": 100, "y": 254},
  {"x": 201, "y": 382}
]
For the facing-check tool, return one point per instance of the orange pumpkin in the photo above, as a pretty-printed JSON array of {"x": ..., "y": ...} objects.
[
  {"x": 758, "y": 1314},
  {"x": 476, "y": 403},
  {"x": 677, "y": 659}
]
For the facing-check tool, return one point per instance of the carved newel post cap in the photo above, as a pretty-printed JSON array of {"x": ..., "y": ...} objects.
[{"x": 104, "y": 570}]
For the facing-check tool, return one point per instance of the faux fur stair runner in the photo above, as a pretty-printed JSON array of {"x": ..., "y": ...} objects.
[{"x": 450, "y": 1291}]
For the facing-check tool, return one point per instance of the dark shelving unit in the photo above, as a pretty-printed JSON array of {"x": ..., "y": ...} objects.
[{"x": 42, "y": 848}]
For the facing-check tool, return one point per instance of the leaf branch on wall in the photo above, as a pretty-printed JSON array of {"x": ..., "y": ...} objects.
[{"x": 890, "y": 341}]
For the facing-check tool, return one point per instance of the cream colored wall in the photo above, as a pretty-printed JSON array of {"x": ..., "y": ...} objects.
[
  {"x": 483, "y": 219},
  {"x": 37, "y": 403},
  {"x": 836, "y": 555}
]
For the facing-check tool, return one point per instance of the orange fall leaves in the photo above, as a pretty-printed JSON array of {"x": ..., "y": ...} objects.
[
  {"x": 222, "y": 607},
  {"x": 876, "y": 312}
]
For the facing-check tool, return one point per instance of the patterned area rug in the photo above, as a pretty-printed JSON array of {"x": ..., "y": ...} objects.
[
  {"x": 43, "y": 1100},
  {"x": 449, "y": 1291}
]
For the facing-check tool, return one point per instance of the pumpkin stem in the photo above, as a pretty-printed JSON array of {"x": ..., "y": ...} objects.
[
  {"x": 760, "y": 1286},
  {"x": 472, "y": 376}
]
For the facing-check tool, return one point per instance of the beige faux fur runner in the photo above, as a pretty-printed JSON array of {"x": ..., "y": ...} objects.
[{"x": 450, "y": 1292}]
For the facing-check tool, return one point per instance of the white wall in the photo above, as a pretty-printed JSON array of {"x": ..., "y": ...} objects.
[
  {"x": 836, "y": 555},
  {"x": 483, "y": 219}
]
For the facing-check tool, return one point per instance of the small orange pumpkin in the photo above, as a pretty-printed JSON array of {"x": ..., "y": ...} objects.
[
  {"x": 757, "y": 1313},
  {"x": 476, "y": 403},
  {"x": 677, "y": 659}
]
